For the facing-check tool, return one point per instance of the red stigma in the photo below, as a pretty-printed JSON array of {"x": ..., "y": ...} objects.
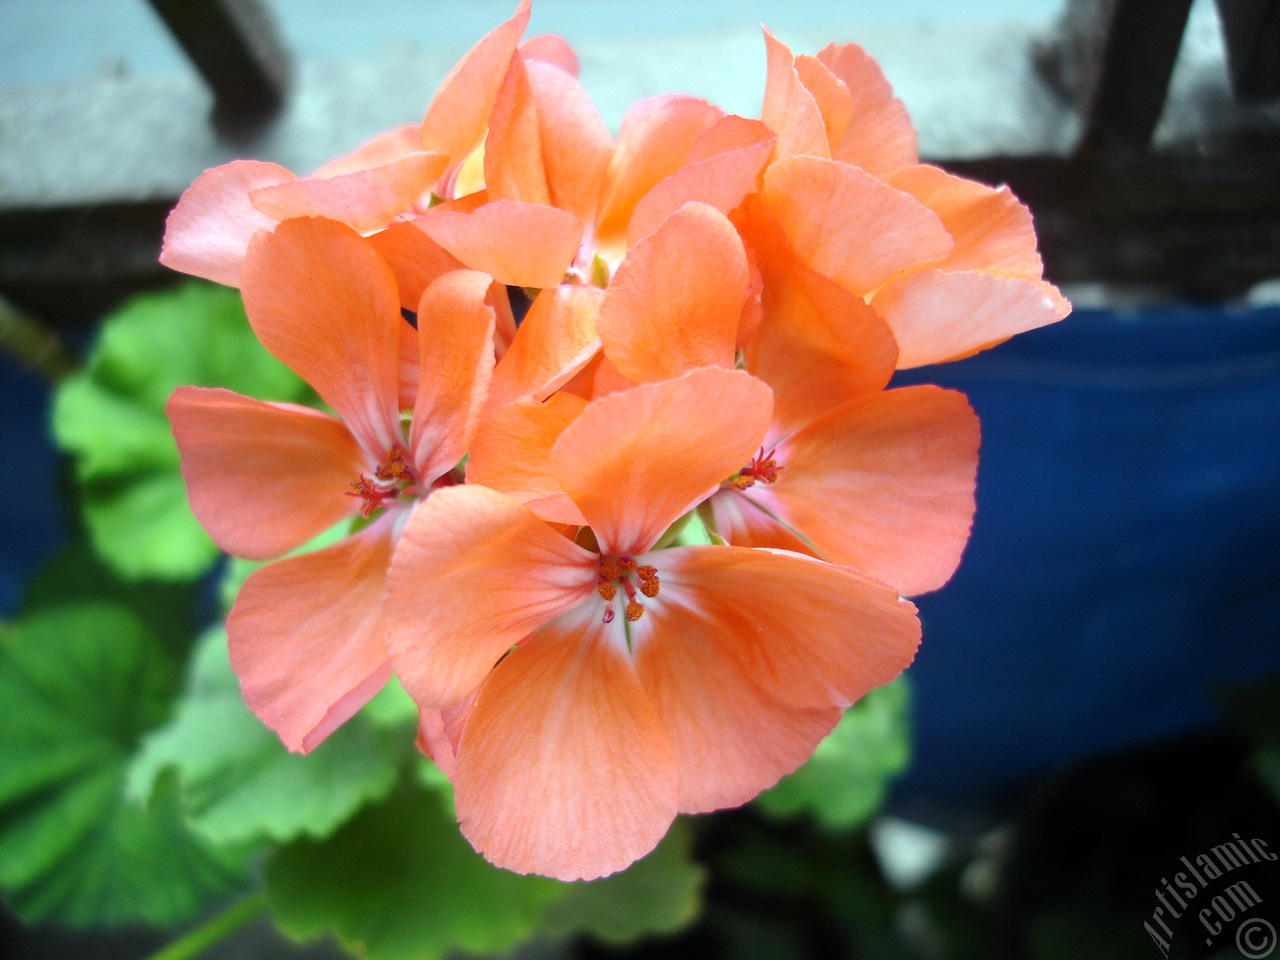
[{"x": 392, "y": 477}]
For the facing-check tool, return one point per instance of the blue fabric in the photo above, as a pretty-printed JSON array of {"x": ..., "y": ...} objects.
[
  {"x": 31, "y": 513},
  {"x": 1124, "y": 555}
]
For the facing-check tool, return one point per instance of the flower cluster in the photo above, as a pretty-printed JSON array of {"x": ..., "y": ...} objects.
[{"x": 552, "y": 359}]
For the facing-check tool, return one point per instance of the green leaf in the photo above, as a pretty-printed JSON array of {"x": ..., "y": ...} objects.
[
  {"x": 1266, "y": 763},
  {"x": 391, "y": 708},
  {"x": 76, "y": 573},
  {"x": 110, "y": 418},
  {"x": 845, "y": 780},
  {"x": 1253, "y": 706},
  {"x": 237, "y": 781},
  {"x": 142, "y": 526},
  {"x": 660, "y": 894},
  {"x": 399, "y": 882},
  {"x": 80, "y": 684}
]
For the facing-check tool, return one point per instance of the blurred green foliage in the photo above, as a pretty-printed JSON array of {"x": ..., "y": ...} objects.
[
  {"x": 659, "y": 894},
  {"x": 76, "y": 572},
  {"x": 1255, "y": 709},
  {"x": 845, "y": 780},
  {"x": 400, "y": 883},
  {"x": 110, "y": 418},
  {"x": 81, "y": 684},
  {"x": 236, "y": 782}
]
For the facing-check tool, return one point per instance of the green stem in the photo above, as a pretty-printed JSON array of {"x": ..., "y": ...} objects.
[
  {"x": 214, "y": 930},
  {"x": 33, "y": 344}
]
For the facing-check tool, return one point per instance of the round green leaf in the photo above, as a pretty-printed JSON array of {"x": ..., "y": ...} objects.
[
  {"x": 659, "y": 894},
  {"x": 76, "y": 573},
  {"x": 110, "y": 418},
  {"x": 400, "y": 883},
  {"x": 80, "y": 684},
  {"x": 845, "y": 780},
  {"x": 237, "y": 781},
  {"x": 141, "y": 525}
]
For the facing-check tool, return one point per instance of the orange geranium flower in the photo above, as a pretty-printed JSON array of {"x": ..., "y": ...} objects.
[
  {"x": 632, "y": 681},
  {"x": 950, "y": 264},
  {"x": 554, "y": 176},
  {"x": 880, "y": 480},
  {"x": 395, "y": 175},
  {"x": 306, "y": 632},
  {"x": 673, "y": 305}
]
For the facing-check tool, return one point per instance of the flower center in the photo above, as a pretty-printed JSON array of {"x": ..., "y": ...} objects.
[
  {"x": 762, "y": 469},
  {"x": 618, "y": 572},
  {"x": 392, "y": 478}
]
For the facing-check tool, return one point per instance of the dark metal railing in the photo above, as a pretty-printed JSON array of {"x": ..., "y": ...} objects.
[{"x": 1199, "y": 220}]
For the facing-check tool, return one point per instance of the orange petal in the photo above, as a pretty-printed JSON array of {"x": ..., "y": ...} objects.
[
  {"x": 482, "y": 240},
  {"x": 828, "y": 92},
  {"x": 364, "y": 200},
  {"x": 455, "y": 344},
  {"x": 414, "y": 257},
  {"x": 576, "y": 145},
  {"x": 306, "y": 636},
  {"x": 556, "y": 339},
  {"x": 513, "y": 168},
  {"x": 511, "y": 453},
  {"x": 817, "y": 345},
  {"x": 992, "y": 231},
  {"x": 597, "y": 379},
  {"x": 635, "y": 461},
  {"x": 850, "y": 226},
  {"x": 564, "y": 768},
  {"x": 607, "y": 380},
  {"x": 455, "y": 121},
  {"x": 407, "y": 394},
  {"x": 439, "y": 732},
  {"x": 464, "y": 204},
  {"x": 808, "y": 632},
  {"x": 720, "y": 181},
  {"x": 325, "y": 305},
  {"x": 731, "y": 738},
  {"x": 739, "y": 520},
  {"x": 937, "y": 316},
  {"x": 552, "y": 49},
  {"x": 879, "y": 137},
  {"x": 504, "y": 321},
  {"x": 262, "y": 478},
  {"x": 790, "y": 110},
  {"x": 884, "y": 485},
  {"x": 753, "y": 309},
  {"x": 382, "y": 149},
  {"x": 475, "y": 573},
  {"x": 208, "y": 231},
  {"x": 653, "y": 142},
  {"x": 730, "y": 133},
  {"x": 673, "y": 304}
]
